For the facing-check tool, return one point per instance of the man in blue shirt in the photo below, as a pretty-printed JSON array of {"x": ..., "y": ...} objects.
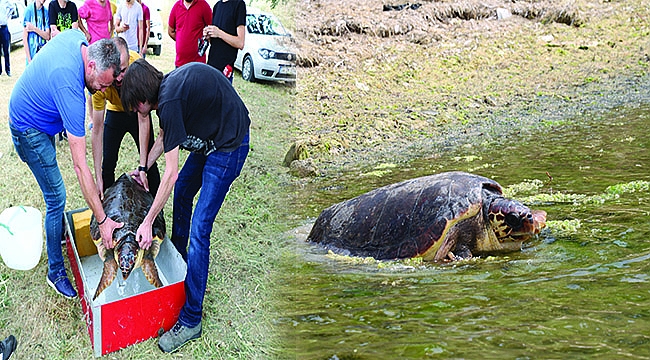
[{"x": 47, "y": 98}]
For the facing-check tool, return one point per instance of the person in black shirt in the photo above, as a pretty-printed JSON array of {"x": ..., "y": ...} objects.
[
  {"x": 63, "y": 16},
  {"x": 201, "y": 112},
  {"x": 227, "y": 34}
]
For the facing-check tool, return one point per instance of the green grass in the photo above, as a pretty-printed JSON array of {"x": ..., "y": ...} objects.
[{"x": 239, "y": 307}]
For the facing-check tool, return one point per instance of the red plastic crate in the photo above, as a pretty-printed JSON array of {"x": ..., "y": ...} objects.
[{"x": 130, "y": 311}]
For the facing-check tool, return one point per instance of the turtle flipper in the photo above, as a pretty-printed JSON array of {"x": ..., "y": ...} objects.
[
  {"x": 151, "y": 272},
  {"x": 148, "y": 264},
  {"x": 108, "y": 275}
]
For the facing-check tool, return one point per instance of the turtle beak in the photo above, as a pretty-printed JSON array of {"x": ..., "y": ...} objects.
[
  {"x": 126, "y": 257},
  {"x": 539, "y": 220},
  {"x": 534, "y": 223}
]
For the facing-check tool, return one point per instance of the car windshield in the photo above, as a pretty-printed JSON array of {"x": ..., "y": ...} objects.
[{"x": 264, "y": 24}]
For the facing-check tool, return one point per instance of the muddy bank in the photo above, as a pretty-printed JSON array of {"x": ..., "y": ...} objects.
[
  {"x": 451, "y": 75},
  {"x": 523, "y": 118}
]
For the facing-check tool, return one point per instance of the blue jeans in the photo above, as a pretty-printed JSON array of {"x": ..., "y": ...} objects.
[
  {"x": 5, "y": 42},
  {"x": 213, "y": 175},
  {"x": 38, "y": 150}
]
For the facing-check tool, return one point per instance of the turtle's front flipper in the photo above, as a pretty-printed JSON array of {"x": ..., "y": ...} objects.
[
  {"x": 108, "y": 275},
  {"x": 149, "y": 266},
  {"x": 151, "y": 271}
]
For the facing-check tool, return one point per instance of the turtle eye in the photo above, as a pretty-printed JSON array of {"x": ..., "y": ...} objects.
[{"x": 513, "y": 220}]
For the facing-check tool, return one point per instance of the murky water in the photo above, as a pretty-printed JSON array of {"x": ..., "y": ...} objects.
[{"x": 577, "y": 293}]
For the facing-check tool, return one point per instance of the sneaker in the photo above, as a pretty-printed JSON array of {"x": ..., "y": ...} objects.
[
  {"x": 7, "y": 347},
  {"x": 178, "y": 336},
  {"x": 62, "y": 285}
]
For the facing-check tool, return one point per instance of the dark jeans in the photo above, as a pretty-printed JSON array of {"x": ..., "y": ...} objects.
[
  {"x": 38, "y": 150},
  {"x": 5, "y": 41},
  {"x": 116, "y": 126},
  {"x": 213, "y": 175}
]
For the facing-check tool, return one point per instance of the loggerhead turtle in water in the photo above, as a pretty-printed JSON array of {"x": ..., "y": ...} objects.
[
  {"x": 128, "y": 202},
  {"x": 447, "y": 216}
]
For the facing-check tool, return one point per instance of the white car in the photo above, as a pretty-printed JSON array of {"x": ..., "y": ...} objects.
[
  {"x": 156, "y": 30},
  {"x": 15, "y": 23},
  {"x": 268, "y": 49}
]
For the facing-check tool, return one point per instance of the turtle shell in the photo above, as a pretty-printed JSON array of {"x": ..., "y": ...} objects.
[
  {"x": 425, "y": 217},
  {"x": 128, "y": 202}
]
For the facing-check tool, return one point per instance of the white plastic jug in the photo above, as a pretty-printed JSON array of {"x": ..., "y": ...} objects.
[{"x": 21, "y": 237}]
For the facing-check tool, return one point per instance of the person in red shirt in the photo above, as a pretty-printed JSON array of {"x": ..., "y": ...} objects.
[
  {"x": 146, "y": 28},
  {"x": 186, "y": 22}
]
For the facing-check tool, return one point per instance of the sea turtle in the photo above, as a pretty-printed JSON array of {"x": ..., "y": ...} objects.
[
  {"x": 447, "y": 216},
  {"x": 128, "y": 202}
]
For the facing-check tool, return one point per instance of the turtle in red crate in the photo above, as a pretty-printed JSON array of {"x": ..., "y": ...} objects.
[{"x": 128, "y": 202}]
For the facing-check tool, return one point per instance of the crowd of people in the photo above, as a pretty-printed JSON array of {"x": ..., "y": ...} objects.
[{"x": 105, "y": 76}]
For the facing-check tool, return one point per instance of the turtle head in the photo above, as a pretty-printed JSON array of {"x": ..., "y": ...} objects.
[
  {"x": 127, "y": 252},
  {"x": 513, "y": 221}
]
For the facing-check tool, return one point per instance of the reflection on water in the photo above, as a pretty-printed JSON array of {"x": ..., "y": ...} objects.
[{"x": 580, "y": 295}]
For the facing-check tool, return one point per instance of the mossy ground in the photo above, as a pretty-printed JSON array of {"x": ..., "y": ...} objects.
[{"x": 414, "y": 81}]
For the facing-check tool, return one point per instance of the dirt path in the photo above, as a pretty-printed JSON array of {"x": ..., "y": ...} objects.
[{"x": 380, "y": 80}]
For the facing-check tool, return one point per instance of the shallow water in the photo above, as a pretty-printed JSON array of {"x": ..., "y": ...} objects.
[{"x": 577, "y": 293}]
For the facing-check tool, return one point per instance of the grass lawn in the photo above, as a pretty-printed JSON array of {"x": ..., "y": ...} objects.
[{"x": 238, "y": 309}]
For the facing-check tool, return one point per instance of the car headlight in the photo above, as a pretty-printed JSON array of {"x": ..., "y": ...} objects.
[{"x": 266, "y": 53}]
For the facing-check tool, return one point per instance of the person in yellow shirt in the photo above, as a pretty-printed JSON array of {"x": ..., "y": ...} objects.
[{"x": 109, "y": 131}]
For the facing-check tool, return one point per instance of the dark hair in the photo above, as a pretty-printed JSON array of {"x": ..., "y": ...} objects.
[{"x": 141, "y": 84}]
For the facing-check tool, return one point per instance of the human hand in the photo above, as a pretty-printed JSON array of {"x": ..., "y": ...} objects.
[
  {"x": 100, "y": 187},
  {"x": 141, "y": 178},
  {"x": 106, "y": 231},
  {"x": 143, "y": 235},
  {"x": 211, "y": 31}
]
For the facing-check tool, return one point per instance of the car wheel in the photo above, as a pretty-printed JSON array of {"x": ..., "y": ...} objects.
[
  {"x": 157, "y": 49},
  {"x": 247, "y": 69}
]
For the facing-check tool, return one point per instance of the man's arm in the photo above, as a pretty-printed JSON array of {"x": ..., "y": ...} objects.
[
  {"x": 140, "y": 35},
  {"x": 97, "y": 140},
  {"x": 119, "y": 27},
  {"x": 88, "y": 188},
  {"x": 145, "y": 41},
  {"x": 171, "y": 23},
  {"x": 111, "y": 27},
  {"x": 45, "y": 34},
  {"x": 52, "y": 19},
  {"x": 167, "y": 182},
  {"x": 83, "y": 29},
  {"x": 26, "y": 44},
  {"x": 172, "y": 32},
  {"x": 144, "y": 127},
  {"x": 54, "y": 31},
  {"x": 235, "y": 41},
  {"x": 156, "y": 149}
]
